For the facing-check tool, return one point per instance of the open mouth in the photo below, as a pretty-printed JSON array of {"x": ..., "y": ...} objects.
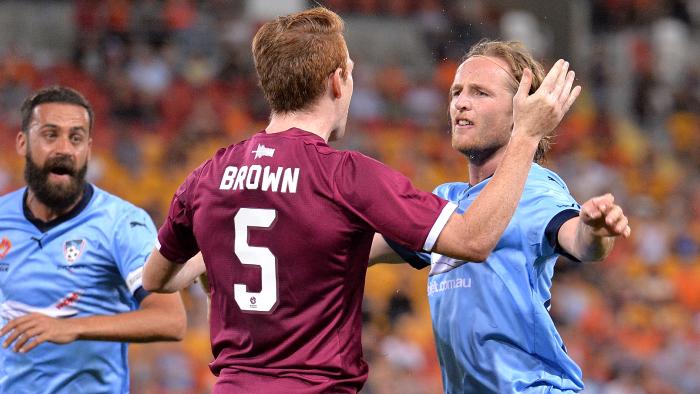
[
  {"x": 61, "y": 170},
  {"x": 464, "y": 122}
]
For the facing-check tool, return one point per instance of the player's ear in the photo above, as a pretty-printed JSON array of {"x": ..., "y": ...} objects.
[
  {"x": 336, "y": 83},
  {"x": 21, "y": 143}
]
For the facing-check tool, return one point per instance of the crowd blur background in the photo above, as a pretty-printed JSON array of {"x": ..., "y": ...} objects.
[{"x": 172, "y": 80}]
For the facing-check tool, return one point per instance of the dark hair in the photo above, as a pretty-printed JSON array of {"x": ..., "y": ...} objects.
[
  {"x": 54, "y": 94},
  {"x": 295, "y": 54}
]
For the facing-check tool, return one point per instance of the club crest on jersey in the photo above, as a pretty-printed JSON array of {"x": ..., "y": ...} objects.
[
  {"x": 263, "y": 151},
  {"x": 5, "y": 246},
  {"x": 72, "y": 250}
]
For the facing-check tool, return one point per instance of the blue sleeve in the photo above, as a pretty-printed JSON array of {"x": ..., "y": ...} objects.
[
  {"x": 550, "y": 205},
  {"x": 134, "y": 239},
  {"x": 417, "y": 260}
]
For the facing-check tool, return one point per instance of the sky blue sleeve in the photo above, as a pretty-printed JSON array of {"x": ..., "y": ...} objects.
[
  {"x": 134, "y": 239},
  {"x": 548, "y": 202}
]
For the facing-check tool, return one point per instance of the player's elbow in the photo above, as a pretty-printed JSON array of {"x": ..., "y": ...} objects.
[
  {"x": 472, "y": 250},
  {"x": 179, "y": 329},
  {"x": 477, "y": 256},
  {"x": 467, "y": 252},
  {"x": 175, "y": 326},
  {"x": 165, "y": 315},
  {"x": 476, "y": 251},
  {"x": 151, "y": 285}
]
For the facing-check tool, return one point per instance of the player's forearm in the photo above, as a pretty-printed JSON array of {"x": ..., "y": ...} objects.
[
  {"x": 590, "y": 247},
  {"x": 186, "y": 276},
  {"x": 160, "y": 318},
  {"x": 489, "y": 215},
  {"x": 163, "y": 276}
]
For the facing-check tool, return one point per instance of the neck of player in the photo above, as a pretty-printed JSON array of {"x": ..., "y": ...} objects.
[
  {"x": 485, "y": 167},
  {"x": 321, "y": 119},
  {"x": 44, "y": 212}
]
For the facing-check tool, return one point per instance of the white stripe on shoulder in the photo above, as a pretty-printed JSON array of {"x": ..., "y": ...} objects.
[{"x": 439, "y": 225}]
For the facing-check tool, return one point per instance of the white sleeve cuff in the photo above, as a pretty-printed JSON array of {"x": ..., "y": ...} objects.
[{"x": 439, "y": 225}]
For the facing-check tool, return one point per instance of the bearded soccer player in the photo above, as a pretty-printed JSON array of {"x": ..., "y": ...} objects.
[
  {"x": 285, "y": 222},
  {"x": 71, "y": 258},
  {"x": 492, "y": 328}
]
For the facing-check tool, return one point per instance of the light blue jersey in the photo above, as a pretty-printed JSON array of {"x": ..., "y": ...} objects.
[
  {"x": 492, "y": 328},
  {"x": 85, "y": 263}
]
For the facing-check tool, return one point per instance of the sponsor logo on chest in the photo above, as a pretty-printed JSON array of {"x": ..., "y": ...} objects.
[{"x": 448, "y": 284}]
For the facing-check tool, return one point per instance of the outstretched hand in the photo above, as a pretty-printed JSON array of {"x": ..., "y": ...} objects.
[
  {"x": 604, "y": 217},
  {"x": 539, "y": 113},
  {"x": 29, "y": 331}
]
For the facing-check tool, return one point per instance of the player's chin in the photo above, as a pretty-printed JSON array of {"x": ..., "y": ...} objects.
[
  {"x": 461, "y": 142},
  {"x": 64, "y": 185}
]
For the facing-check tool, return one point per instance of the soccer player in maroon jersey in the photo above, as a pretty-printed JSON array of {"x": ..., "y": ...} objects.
[{"x": 285, "y": 223}]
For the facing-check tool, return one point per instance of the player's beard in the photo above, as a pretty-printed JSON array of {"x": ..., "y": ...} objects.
[
  {"x": 56, "y": 196},
  {"x": 478, "y": 156},
  {"x": 477, "y": 153}
]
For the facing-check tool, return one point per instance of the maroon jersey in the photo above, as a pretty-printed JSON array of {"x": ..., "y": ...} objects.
[{"x": 285, "y": 224}]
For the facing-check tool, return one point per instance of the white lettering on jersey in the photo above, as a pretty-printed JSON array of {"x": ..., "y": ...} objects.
[
  {"x": 271, "y": 179},
  {"x": 290, "y": 180},
  {"x": 249, "y": 178},
  {"x": 449, "y": 284},
  {"x": 240, "y": 178},
  {"x": 253, "y": 178},
  {"x": 227, "y": 179}
]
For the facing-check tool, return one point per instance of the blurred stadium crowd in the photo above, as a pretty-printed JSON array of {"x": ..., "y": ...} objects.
[{"x": 173, "y": 80}]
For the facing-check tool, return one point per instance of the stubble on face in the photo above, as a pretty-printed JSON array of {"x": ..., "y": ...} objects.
[{"x": 489, "y": 88}]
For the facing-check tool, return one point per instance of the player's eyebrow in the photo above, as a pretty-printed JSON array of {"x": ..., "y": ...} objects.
[{"x": 54, "y": 126}]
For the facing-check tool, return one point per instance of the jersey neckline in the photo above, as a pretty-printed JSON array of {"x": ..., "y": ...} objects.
[
  {"x": 293, "y": 132},
  {"x": 46, "y": 226}
]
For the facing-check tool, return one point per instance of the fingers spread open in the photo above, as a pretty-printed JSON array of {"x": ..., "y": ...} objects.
[
  {"x": 566, "y": 91},
  {"x": 524, "y": 86},
  {"x": 572, "y": 97},
  {"x": 561, "y": 81},
  {"x": 551, "y": 78}
]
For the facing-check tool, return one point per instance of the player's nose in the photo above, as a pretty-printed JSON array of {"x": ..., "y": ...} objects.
[
  {"x": 462, "y": 102},
  {"x": 63, "y": 145}
]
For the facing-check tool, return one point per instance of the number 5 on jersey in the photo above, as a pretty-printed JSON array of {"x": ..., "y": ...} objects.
[{"x": 265, "y": 300}]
